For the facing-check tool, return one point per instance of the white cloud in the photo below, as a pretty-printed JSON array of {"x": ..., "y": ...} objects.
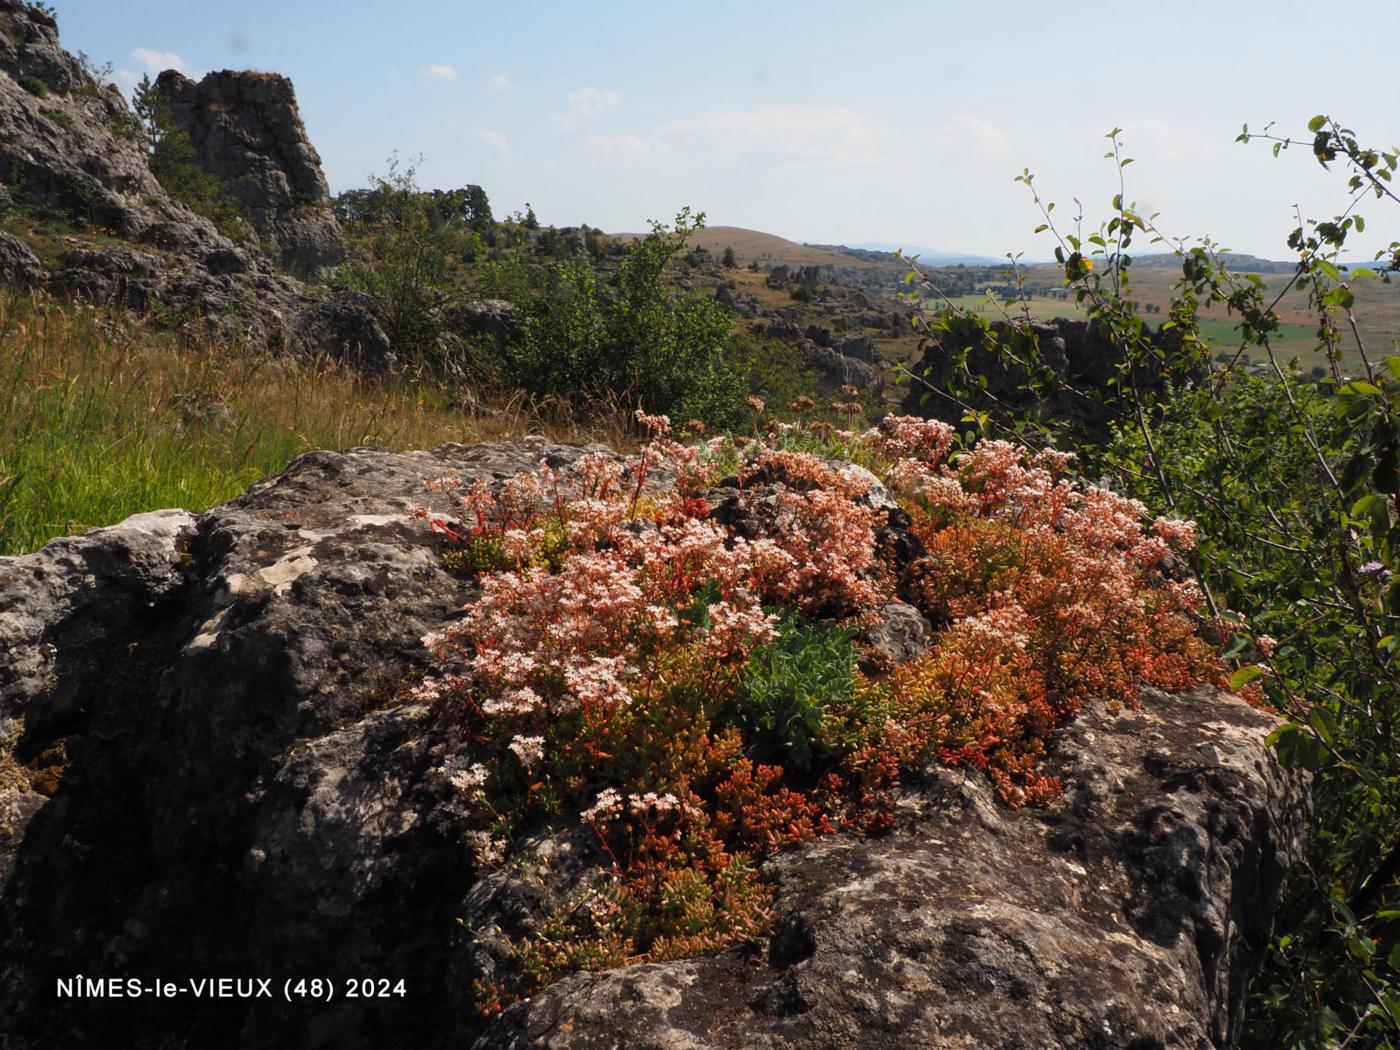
[
  {"x": 439, "y": 71},
  {"x": 159, "y": 61},
  {"x": 632, "y": 151},
  {"x": 973, "y": 132},
  {"x": 498, "y": 82},
  {"x": 496, "y": 141},
  {"x": 789, "y": 138},
  {"x": 584, "y": 105}
]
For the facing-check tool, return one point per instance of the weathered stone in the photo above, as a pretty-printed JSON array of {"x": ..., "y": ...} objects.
[
  {"x": 244, "y": 790},
  {"x": 861, "y": 347},
  {"x": 838, "y": 370},
  {"x": 1081, "y": 357},
  {"x": 19, "y": 266},
  {"x": 77, "y": 154},
  {"x": 1125, "y": 915},
  {"x": 211, "y": 764},
  {"x": 782, "y": 328},
  {"x": 247, "y": 132},
  {"x": 344, "y": 326},
  {"x": 493, "y": 318}
]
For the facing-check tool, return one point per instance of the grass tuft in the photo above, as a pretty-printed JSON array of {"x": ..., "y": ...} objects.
[{"x": 102, "y": 417}]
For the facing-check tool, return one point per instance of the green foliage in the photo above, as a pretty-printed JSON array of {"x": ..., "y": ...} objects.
[
  {"x": 637, "y": 339},
  {"x": 792, "y": 687},
  {"x": 100, "y": 420},
  {"x": 172, "y": 159},
  {"x": 1293, "y": 481},
  {"x": 403, "y": 246}
]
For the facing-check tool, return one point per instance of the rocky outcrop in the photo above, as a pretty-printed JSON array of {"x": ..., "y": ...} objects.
[
  {"x": 247, "y": 131},
  {"x": 836, "y": 369},
  {"x": 211, "y": 764},
  {"x": 1122, "y": 916},
  {"x": 344, "y": 326},
  {"x": 19, "y": 266},
  {"x": 1079, "y": 357},
  {"x": 72, "y": 155}
]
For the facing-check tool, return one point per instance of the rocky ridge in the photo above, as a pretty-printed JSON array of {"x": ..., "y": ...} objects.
[
  {"x": 212, "y": 765},
  {"x": 71, "y": 154}
]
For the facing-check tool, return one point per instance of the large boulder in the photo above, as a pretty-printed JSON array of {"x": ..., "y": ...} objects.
[
  {"x": 1078, "y": 354},
  {"x": 247, "y": 131},
  {"x": 836, "y": 369},
  {"x": 19, "y": 266},
  {"x": 344, "y": 326},
  {"x": 212, "y": 764}
]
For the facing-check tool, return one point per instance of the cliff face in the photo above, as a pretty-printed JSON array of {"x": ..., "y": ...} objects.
[
  {"x": 247, "y": 131},
  {"x": 210, "y": 765},
  {"x": 84, "y": 217}
]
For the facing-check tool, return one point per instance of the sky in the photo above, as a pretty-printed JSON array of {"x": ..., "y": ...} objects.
[{"x": 867, "y": 120}]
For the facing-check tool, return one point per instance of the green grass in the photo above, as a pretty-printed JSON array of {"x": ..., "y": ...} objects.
[{"x": 102, "y": 417}]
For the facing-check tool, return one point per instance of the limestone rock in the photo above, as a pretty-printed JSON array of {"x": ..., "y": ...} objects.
[
  {"x": 1122, "y": 916},
  {"x": 70, "y": 150},
  {"x": 19, "y": 266},
  {"x": 212, "y": 763},
  {"x": 247, "y": 131},
  {"x": 1073, "y": 349},
  {"x": 344, "y": 326}
]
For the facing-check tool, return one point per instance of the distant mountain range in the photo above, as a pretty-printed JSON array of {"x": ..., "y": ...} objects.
[{"x": 929, "y": 255}]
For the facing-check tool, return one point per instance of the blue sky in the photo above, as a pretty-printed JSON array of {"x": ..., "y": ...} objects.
[{"x": 831, "y": 122}]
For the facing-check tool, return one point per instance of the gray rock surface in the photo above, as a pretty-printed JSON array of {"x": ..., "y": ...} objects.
[
  {"x": 72, "y": 153},
  {"x": 344, "y": 326},
  {"x": 19, "y": 266},
  {"x": 1122, "y": 916},
  {"x": 836, "y": 369},
  {"x": 211, "y": 765},
  {"x": 247, "y": 131},
  {"x": 243, "y": 790},
  {"x": 1083, "y": 360}
]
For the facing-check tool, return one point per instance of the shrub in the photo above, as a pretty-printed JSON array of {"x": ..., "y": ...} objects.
[
  {"x": 637, "y": 340},
  {"x": 402, "y": 246},
  {"x": 1293, "y": 480}
]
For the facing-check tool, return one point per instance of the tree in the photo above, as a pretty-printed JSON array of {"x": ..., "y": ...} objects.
[
  {"x": 403, "y": 245},
  {"x": 727, "y": 260},
  {"x": 172, "y": 159},
  {"x": 477, "y": 209}
]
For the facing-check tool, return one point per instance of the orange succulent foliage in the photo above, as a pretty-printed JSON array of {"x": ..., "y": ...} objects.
[{"x": 614, "y": 639}]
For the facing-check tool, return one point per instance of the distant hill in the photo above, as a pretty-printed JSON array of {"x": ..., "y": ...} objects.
[
  {"x": 1237, "y": 261},
  {"x": 929, "y": 255},
  {"x": 771, "y": 250},
  {"x": 768, "y": 249}
]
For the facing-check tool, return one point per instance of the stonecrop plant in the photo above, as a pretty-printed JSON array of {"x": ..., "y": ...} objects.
[{"x": 681, "y": 669}]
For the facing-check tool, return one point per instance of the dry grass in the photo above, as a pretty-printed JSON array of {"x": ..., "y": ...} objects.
[
  {"x": 102, "y": 417},
  {"x": 771, "y": 250}
]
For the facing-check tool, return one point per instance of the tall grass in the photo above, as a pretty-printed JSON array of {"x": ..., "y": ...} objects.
[{"x": 102, "y": 417}]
